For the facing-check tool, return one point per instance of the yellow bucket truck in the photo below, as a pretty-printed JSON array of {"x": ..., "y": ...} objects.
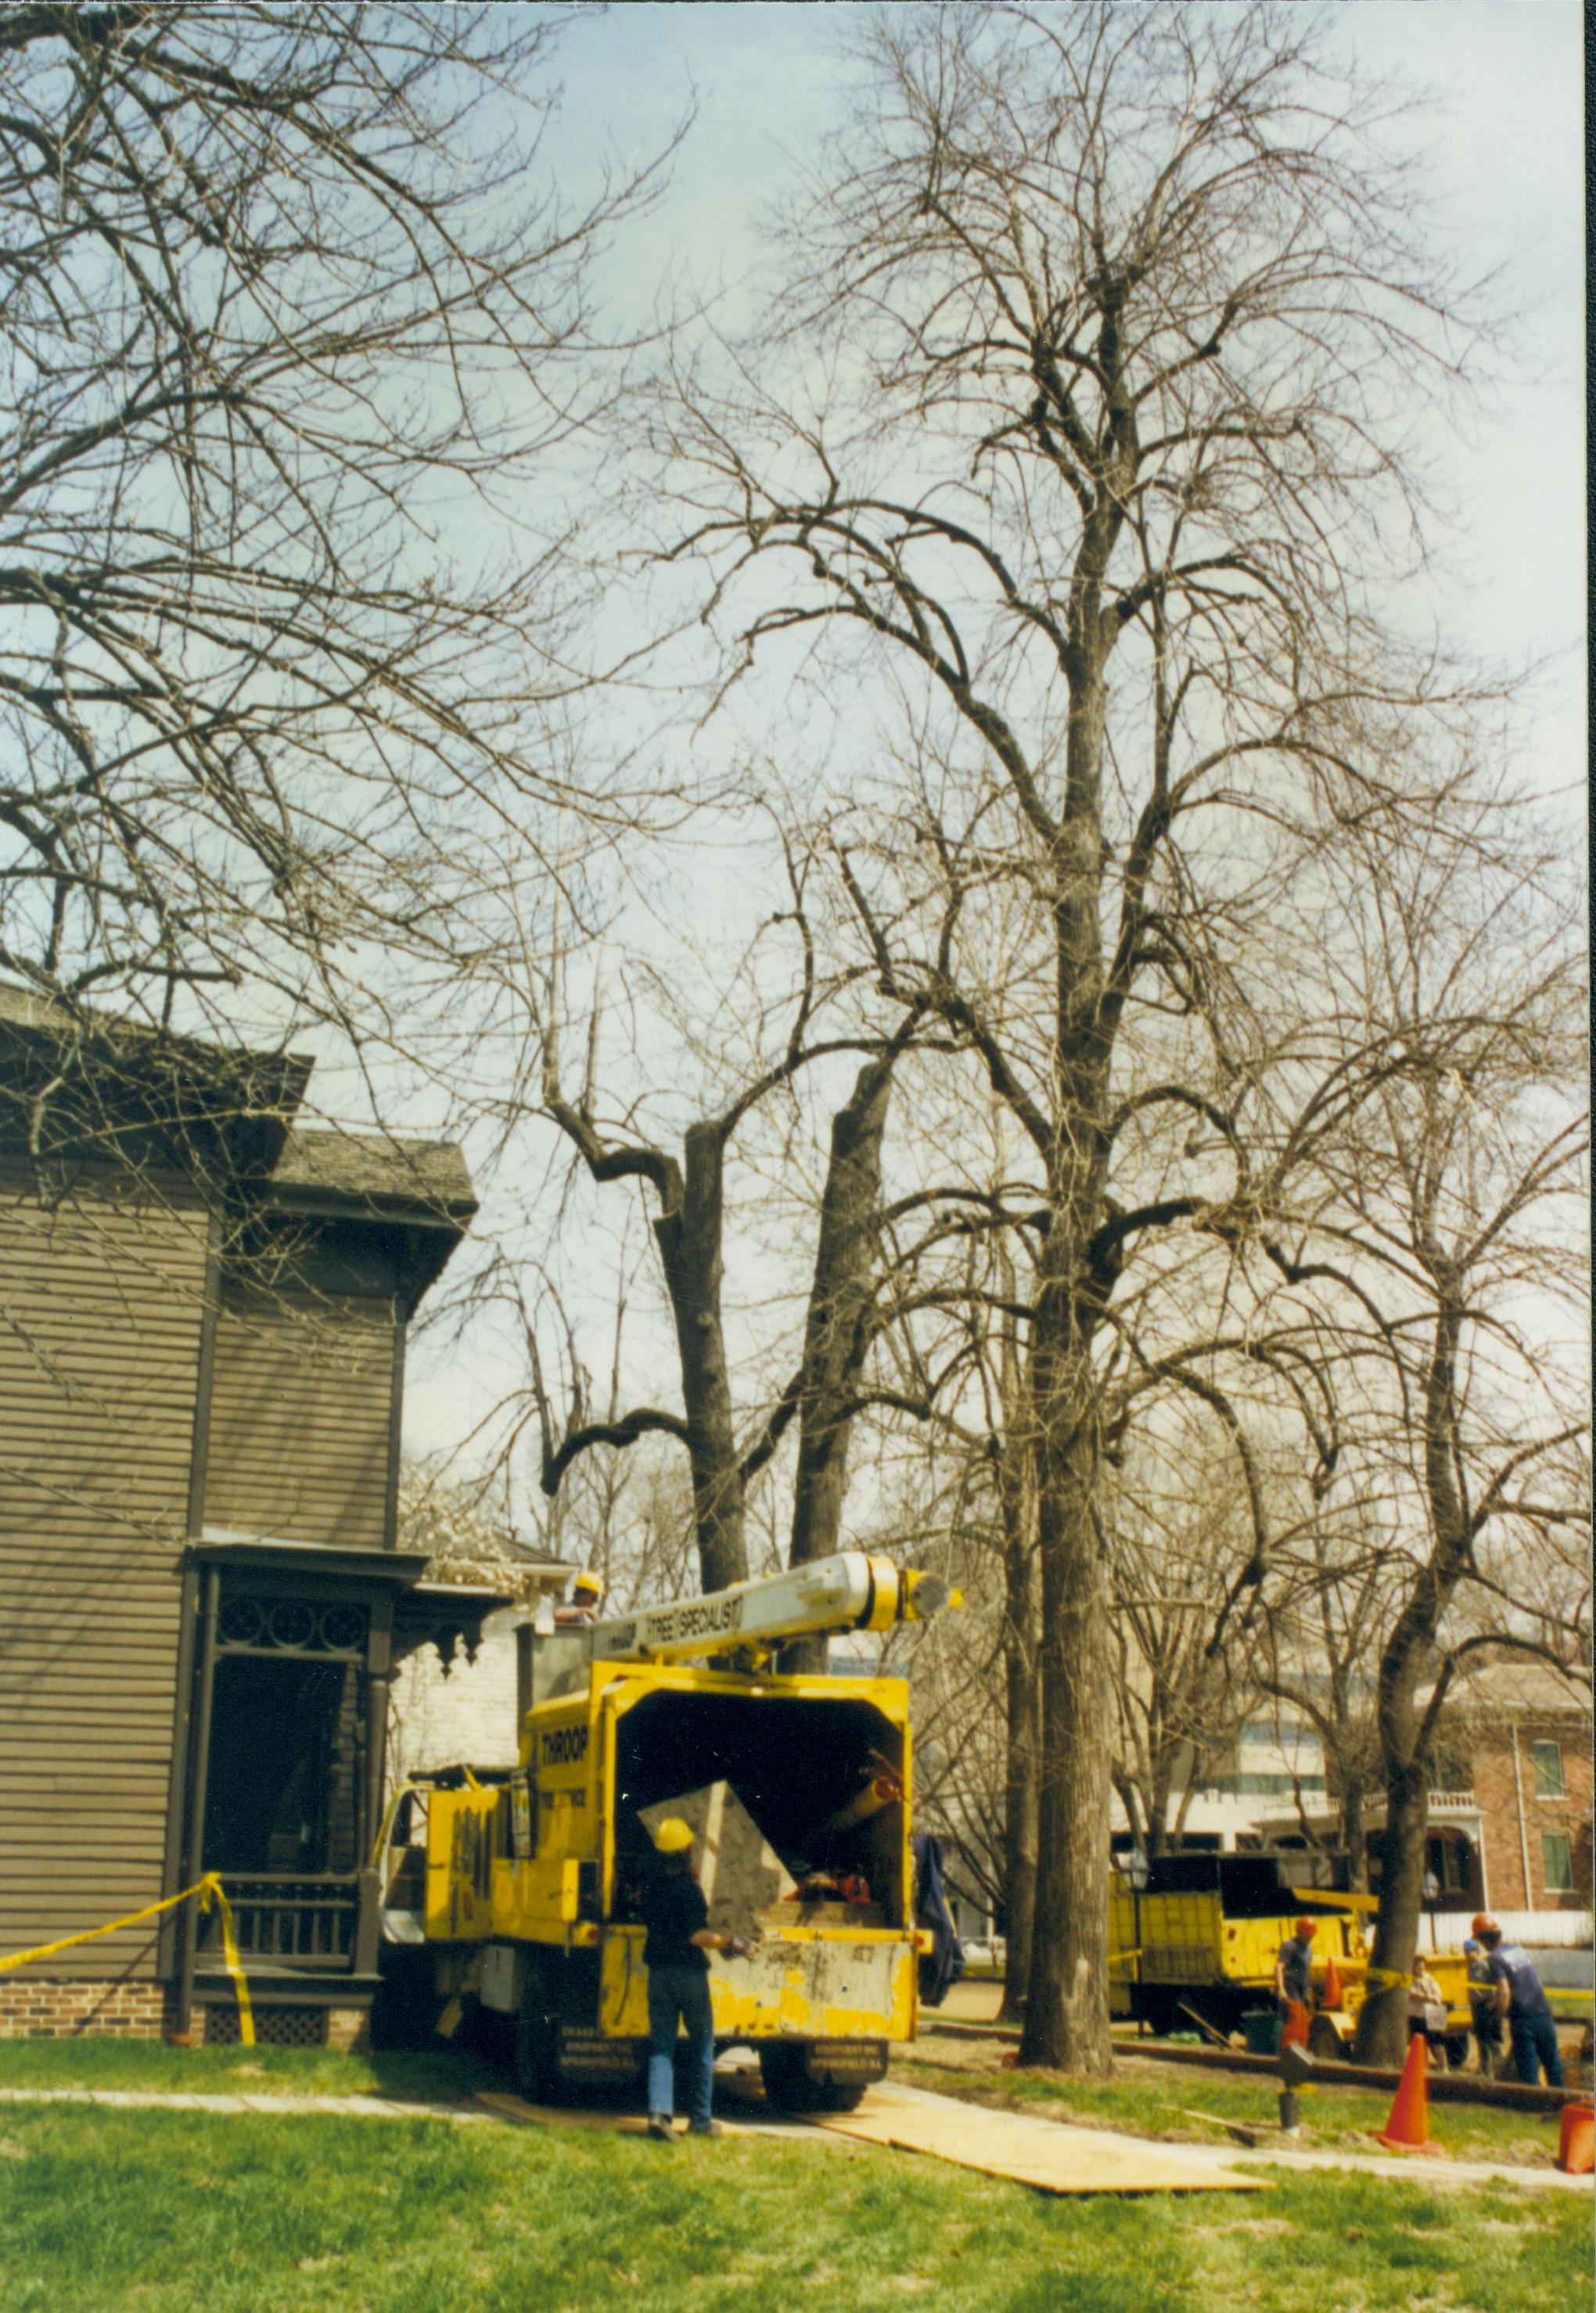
[{"x": 522, "y": 1895}]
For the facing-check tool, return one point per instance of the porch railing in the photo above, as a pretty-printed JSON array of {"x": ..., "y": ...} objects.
[{"x": 283, "y": 1919}]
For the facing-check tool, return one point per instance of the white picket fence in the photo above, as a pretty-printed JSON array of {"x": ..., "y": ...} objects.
[{"x": 1541, "y": 1930}]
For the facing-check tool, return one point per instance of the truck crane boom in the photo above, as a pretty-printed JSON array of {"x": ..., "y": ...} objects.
[{"x": 851, "y": 1591}]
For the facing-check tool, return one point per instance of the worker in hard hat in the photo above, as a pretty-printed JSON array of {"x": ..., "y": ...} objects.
[
  {"x": 582, "y": 1607},
  {"x": 1294, "y": 1984},
  {"x": 676, "y": 1955},
  {"x": 1521, "y": 1999}
]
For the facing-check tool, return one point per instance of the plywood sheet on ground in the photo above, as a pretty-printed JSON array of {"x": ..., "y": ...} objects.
[{"x": 1046, "y": 2154}]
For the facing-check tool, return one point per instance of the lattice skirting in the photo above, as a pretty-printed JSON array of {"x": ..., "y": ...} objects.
[
  {"x": 275, "y": 2027},
  {"x": 289, "y": 2026}
]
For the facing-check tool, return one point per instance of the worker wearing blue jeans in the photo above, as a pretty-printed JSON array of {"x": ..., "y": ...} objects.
[
  {"x": 1521, "y": 1997},
  {"x": 681, "y": 1993},
  {"x": 677, "y": 1958}
]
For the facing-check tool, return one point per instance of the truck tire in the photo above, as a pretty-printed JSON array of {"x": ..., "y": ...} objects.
[
  {"x": 537, "y": 2046},
  {"x": 789, "y": 2087},
  {"x": 406, "y": 2004},
  {"x": 1157, "y": 2009}
]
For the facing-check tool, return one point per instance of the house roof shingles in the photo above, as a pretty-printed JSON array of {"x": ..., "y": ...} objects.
[{"x": 416, "y": 1177}]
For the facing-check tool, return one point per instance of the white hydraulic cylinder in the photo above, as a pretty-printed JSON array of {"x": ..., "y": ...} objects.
[{"x": 851, "y": 1591}]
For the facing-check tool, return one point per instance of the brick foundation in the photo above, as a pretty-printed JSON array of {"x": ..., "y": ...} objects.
[
  {"x": 33, "y": 2008},
  {"x": 349, "y": 2029}
]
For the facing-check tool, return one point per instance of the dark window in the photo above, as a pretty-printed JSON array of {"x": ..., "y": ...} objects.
[
  {"x": 1556, "y": 1861},
  {"x": 1548, "y": 1771}
]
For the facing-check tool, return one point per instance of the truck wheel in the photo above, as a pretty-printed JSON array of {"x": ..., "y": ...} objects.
[
  {"x": 1158, "y": 2009},
  {"x": 1457, "y": 2051},
  {"x": 789, "y": 2087},
  {"x": 537, "y": 2047}
]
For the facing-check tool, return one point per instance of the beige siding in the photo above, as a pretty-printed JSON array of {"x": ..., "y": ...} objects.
[
  {"x": 302, "y": 1412},
  {"x": 101, "y": 1305}
]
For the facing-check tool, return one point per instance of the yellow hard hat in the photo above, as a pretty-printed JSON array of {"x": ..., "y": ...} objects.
[
  {"x": 588, "y": 1584},
  {"x": 673, "y": 1835}
]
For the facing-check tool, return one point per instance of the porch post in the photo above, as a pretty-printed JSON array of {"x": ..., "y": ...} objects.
[{"x": 193, "y": 1845}]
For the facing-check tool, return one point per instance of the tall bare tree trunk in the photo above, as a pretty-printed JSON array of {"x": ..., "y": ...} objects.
[
  {"x": 1016, "y": 1486},
  {"x": 1020, "y": 1781},
  {"x": 837, "y": 1330},
  {"x": 689, "y": 1241},
  {"x": 1066, "y": 2013},
  {"x": 1404, "y": 1728}
]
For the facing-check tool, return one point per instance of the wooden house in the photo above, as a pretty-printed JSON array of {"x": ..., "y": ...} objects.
[{"x": 203, "y": 1315}]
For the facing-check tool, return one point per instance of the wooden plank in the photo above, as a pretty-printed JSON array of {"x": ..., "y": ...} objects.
[{"x": 1047, "y": 2155}]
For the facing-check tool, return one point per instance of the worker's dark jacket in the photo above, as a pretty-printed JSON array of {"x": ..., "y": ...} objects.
[
  {"x": 1510, "y": 1964},
  {"x": 672, "y": 1905},
  {"x": 1295, "y": 1970},
  {"x": 942, "y": 1966}
]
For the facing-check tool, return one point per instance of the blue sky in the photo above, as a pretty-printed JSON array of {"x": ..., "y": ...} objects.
[{"x": 1489, "y": 91}]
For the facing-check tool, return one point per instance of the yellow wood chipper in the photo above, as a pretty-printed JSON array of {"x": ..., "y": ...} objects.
[{"x": 520, "y": 1897}]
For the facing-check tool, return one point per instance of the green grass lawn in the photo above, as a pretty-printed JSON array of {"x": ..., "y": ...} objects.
[
  {"x": 443, "y": 2073},
  {"x": 106, "y": 2209}
]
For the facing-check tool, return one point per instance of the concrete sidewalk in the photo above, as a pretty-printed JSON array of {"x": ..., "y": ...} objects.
[{"x": 1415, "y": 2169}]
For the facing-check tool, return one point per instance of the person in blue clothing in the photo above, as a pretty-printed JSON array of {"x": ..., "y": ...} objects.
[
  {"x": 1522, "y": 1999},
  {"x": 677, "y": 1958}
]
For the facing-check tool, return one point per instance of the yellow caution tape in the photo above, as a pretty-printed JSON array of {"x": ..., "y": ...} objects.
[
  {"x": 214, "y": 1892},
  {"x": 210, "y": 1891},
  {"x": 1377, "y": 1978}
]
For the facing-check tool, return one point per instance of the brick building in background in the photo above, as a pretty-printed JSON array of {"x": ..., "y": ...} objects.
[{"x": 1526, "y": 1731}]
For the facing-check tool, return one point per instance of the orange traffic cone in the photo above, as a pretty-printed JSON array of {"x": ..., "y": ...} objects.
[
  {"x": 1333, "y": 1994},
  {"x": 1576, "y": 2139},
  {"x": 1409, "y": 2128}
]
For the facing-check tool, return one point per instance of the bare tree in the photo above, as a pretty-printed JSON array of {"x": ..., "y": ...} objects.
[
  {"x": 1317, "y": 1632},
  {"x": 725, "y": 1448},
  {"x": 1131, "y": 299},
  {"x": 295, "y": 329},
  {"x": 1176, "y": 1531},
  {"x": 1464, "y": 1185}
]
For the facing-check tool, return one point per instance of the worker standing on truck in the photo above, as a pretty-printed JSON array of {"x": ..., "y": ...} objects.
[
  {"x": 581, "y": 1608},
  {"x": 677, "y": 1958},
  {"x": 1522, "y": 1999},
  {"x": 1294, "y": 1984}
]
